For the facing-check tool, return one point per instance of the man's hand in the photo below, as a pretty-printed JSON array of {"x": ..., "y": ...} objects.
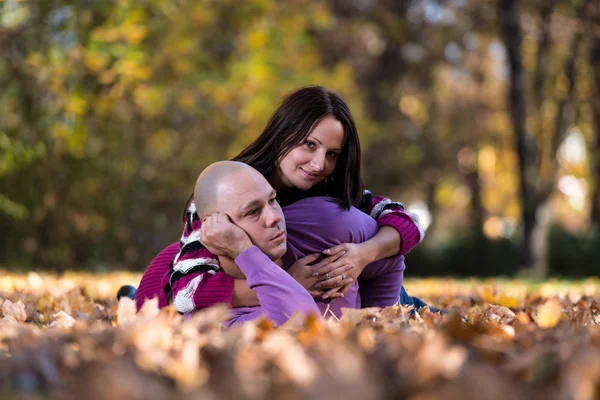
[{"x": 222, "y": 237}]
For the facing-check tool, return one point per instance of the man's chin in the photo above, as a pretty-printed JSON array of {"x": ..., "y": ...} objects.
[{"x": 277, "y": 252}]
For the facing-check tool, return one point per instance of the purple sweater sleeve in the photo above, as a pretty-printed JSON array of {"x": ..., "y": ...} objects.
[
  {"x": 279, "y": 294},
  {"x": 380, "y": 283}
]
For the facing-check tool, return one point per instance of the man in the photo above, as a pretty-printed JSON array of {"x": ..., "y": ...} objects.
[
  {"x": 196, "y": 283},
  {"x": 244, "y": 226}
]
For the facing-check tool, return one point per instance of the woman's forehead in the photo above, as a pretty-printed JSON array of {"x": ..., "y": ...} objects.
[{"x": 329, "y": 132}]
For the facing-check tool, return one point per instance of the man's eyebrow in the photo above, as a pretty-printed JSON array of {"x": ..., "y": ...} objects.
[
  {"x": 254, "y": 203},
  {"x": 249, "y": 205}
]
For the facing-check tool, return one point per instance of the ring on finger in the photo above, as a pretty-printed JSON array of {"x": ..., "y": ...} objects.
[
  {"x": 327, "y": 276},
  {"x": 343, "y": 276}
]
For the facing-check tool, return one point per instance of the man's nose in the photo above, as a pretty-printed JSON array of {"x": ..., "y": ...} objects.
[{"x": 273, "y": 217}]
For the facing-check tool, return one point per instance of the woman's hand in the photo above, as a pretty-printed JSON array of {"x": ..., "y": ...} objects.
[
  {"x": 305, "y": 274},
  {"x": 349, "y": 254}
]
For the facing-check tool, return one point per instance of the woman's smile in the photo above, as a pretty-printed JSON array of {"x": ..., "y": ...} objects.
[{"x": 308, "y": 175}]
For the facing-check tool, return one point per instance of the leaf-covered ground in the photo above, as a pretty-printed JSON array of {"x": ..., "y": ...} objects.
[{"x": 68, "y": 338}]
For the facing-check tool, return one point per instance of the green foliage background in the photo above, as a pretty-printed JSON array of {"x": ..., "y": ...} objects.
[{"x": 110, "y": 109}]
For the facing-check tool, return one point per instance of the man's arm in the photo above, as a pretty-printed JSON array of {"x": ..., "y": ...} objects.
[{"x": 279, "y": 294}]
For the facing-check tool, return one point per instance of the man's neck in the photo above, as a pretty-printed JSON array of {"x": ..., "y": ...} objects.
[{"x": 279, "y": 262}]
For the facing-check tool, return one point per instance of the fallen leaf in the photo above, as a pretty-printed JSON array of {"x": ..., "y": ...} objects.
[
  {"x": 126, "y": 311},
  {"x": 62, "y": 320},
  {"x": 507, "y": 301},
  {"x": 500, "y": 314},
  {"x": 550, "y": 314},
  {"x": 14, "y": 312},
  {"x": 355, "y": 316}
]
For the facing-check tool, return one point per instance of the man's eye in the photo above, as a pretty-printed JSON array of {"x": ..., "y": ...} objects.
[
  {"x": 272, "y": 201},
  {"x": 253, "y": 211}
]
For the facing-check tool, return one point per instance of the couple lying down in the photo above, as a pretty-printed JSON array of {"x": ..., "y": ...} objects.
[
  {"x": 244, "y": 227},
  {"x": 310, "y": 153}
]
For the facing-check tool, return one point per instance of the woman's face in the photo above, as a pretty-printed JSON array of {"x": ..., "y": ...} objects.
[{"x": 314, "y": 159}]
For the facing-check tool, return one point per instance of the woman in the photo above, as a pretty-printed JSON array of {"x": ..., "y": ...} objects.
[{"x": 309, "y": 148}]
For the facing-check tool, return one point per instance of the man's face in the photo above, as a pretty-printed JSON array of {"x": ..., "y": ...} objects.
[{"x": 249, "y": 200}]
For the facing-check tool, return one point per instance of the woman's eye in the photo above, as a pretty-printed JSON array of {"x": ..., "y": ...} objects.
[
  {"x": 333, "y": 155},
  {"x": 309, "y": 144}
]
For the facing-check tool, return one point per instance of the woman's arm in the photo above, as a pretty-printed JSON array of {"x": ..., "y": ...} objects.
[
  {"x": 392, "y": 214},
  {"x": 200, "y": 289},
  {"x": 196, "y": 279},
  {"x": 242, "y": 295},
  {"x": 302, "y": 273},
  {"x": 387, "y": 242},
  {"x": 399, "y": 232}
]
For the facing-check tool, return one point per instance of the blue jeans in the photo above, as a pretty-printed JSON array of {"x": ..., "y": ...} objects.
[{"x": 405, "y": 300}]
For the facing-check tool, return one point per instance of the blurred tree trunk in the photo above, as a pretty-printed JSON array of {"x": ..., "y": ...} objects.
[
  {"x": 477, "y": 212},
  {"x": 525, "y": 143},
  {"x": 430, "y": 200},
  {"x": 565, "y": 116},
  {"x": 543, "y": 54},
  {"x": 593, "y": 13}
]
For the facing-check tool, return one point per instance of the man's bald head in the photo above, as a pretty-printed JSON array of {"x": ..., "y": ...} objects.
[
  {"x": 207, "y": 191},
  {"x": 241, "y": 192}
]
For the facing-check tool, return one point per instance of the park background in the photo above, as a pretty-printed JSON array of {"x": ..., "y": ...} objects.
[{"x": 482, "y": 116}]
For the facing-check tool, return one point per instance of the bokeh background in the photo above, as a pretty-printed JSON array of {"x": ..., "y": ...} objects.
[{"x": 482, "y": 116}]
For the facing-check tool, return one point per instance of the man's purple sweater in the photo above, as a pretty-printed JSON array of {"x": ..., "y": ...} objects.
[
  {"x": 281, "y": 296},
  {"x": 314, "y": 224}
]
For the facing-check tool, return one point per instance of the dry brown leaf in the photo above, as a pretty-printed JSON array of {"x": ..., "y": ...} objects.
[
  {"x": 126, "y": 312},
  {"x": 371, "y": 354},
  {"x": 439, "y": 359},
  {"x": 62, "y": 320},
  {"x": 354, "y": 316},
  {"x": 500, "y": 314},
  {"x": 288, "y": 355},
  {"x": 149, "y": 310},
  {"x": 213, "y": 316},
  {"x": 14, "y": 312},
  {"x": 550, "y": 314}
]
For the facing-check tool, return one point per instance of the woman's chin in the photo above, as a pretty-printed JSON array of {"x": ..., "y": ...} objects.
[{"x": 303, "y": 185}]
